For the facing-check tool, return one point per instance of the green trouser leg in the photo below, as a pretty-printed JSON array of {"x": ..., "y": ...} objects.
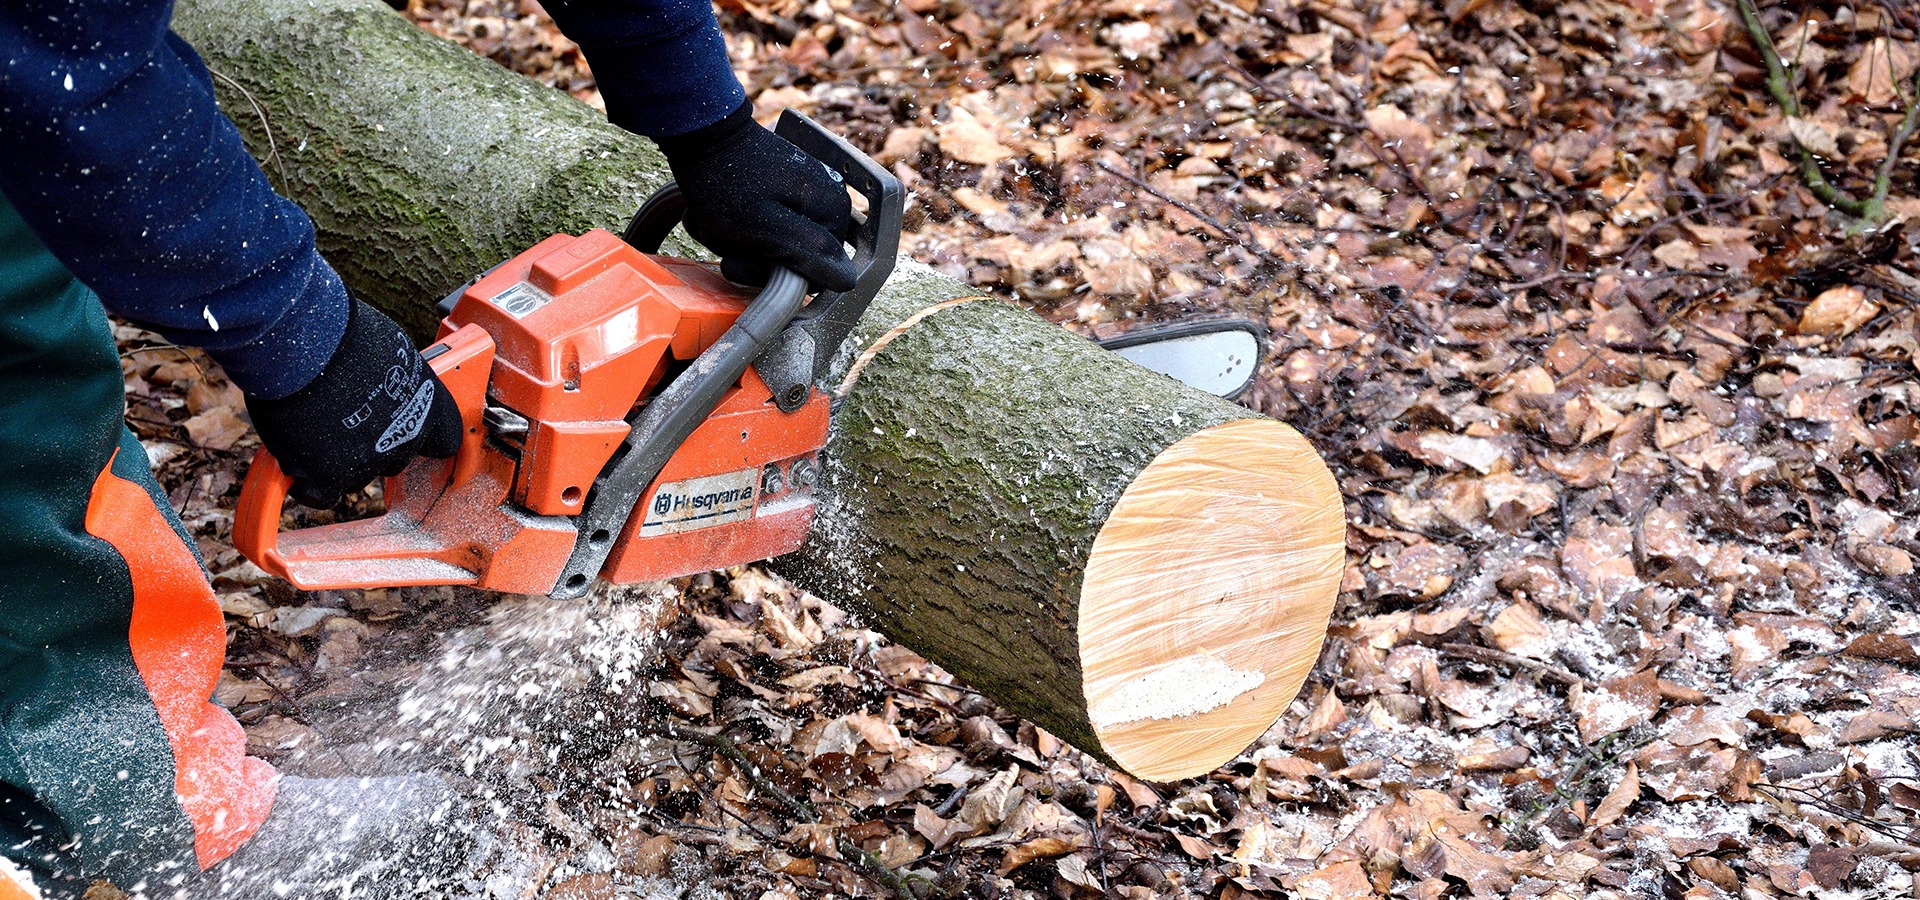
[{"x": 99, "y": 694}]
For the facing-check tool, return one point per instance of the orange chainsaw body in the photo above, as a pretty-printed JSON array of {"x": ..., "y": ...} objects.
[{"x": 547, "y": 356}]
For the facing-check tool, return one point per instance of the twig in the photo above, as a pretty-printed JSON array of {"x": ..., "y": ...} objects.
[
  {"x": 723, "y": 745},
  {"x": 874, "y": 868},
  {"x": 1189, "y": 209},
  {"x": 266, "y": 127},
  {"x": 1603, "y": 756},
  {"x": 1500, "y": 657},
  {"x": 133, "y": 351},
  {"x": 867, "y": 863},
  {"x": 1823, "y": 800},
  {"x": 1780, "y": 84},
  {"x": 1883, "y": 182}
]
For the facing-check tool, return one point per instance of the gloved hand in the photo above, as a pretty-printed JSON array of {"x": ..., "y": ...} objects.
[
  {"x": 756, "y": 199},
  {"x": 372, "y": 409}
]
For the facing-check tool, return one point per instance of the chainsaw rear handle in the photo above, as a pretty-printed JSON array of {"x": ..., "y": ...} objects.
[
  {"x": 462, "y": 361},
  {"x": 799, "y": 356}
]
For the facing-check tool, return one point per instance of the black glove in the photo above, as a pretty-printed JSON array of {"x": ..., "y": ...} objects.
[
  {"x": 756, "y": 199},
  {"x": 373, "y": 408}
]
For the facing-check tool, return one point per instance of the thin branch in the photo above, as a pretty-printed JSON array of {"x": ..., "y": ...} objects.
[
  {"x": 1489, "y": 655},
  {"x": 866, "y": 862},
  {"x": 1780, "y": 85},
  {"x": 266, "y": 127},
  {"x": 871, "y": 865},
  {"x": 1883, "y": 182},
  {"x": 1246, "y": 241},
  {"x": 723, "y": 745}
]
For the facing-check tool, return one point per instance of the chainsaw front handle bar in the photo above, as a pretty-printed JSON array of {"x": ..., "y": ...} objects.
[
  {"x": 787, "y": 340},
  {"x": 799, "y": 356}
]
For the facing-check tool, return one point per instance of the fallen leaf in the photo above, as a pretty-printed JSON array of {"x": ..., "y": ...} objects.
[
  {"x": 295, "y": 621},
  {"x": 1618, "y": 800},
  {"x": 1884, "y": 65},
  {"x": 1195, "y": 847},
  {"x": 1479, "y": 453},
  {"x": 1880, "y": 645},
  {"x": 1345, "y": 880},
  {"x": 1038, "y": 848},
  {"x": 1076, "y": 869},
  {"x": 938, "y": 831},
  {"x": 991, "y": 803},
  {"x": 964, "y": 138},
  {"x": 1831, "y": 866},
  {"x": 1883, "y": 560},
  {"x": 1618, "y": 704},
  {"x": 1837, "y": 312},
  {"x": 1519, "y": 630},
  {"x": 216, "y": 429},
  {"x": 1814, "y": 138}
]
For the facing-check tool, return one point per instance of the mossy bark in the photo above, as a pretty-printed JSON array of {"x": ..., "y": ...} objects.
[
  {"x": 972, "y": 463},
  {"x": 421, "y": 165}
]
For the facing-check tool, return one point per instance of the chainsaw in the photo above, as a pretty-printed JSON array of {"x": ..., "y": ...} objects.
[{"x": 628, "y": 416}]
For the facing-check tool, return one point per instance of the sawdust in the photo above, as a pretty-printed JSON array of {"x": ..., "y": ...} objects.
[{"x": 1184, "y": 687}]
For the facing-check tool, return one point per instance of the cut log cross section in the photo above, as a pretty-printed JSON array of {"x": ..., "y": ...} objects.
[
  {"x": 1144, "y": 570},
  {"x": 1206, "y": 597}
]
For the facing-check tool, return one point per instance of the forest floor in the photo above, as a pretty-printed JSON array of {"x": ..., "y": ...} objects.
[{"x": 1624, "y": 413}]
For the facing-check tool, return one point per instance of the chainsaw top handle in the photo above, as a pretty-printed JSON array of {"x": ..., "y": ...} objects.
[{"x": 799, "y": 356}]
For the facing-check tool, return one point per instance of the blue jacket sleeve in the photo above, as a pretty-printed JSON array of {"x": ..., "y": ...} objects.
[
  {"x": 661, "y": 64},
  {"x": 115, "y": 154}
]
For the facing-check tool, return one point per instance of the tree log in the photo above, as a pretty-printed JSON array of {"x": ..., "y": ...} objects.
[{"x": 1144, "y": 570}]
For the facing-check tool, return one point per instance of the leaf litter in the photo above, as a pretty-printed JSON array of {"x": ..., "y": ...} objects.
[{"x": 1623, "y": 414}]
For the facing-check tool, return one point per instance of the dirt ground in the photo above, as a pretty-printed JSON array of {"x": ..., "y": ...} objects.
[{"x": 1623, "y": 408}]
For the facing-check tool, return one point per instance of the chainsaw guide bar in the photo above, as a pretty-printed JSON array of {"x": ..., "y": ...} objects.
[{"x": 628, "y": 416}]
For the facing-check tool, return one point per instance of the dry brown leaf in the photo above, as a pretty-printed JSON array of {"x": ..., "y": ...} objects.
[
  {"x": 1564, "y": 866},
  {"x": 1346, "y": 880},
  {"x": 1139, "y": 795},
  {"x": 1454, "y": 450},
  {"x": 1038, "y": 848},
  {"x": 216, "y": 429},
  {"x": 1078, "y": 869},
  {"x": 1424, "y": 570},
  {"x": 204, "y": 394},
  {"x": 1111, "y": 267},
  {"x": 1597, "y": 559},
  {"x": 1815, "y": 138},
  {"x": 1890, "y": 647},
  {"x": 1327, "y": 714},
  {"x": 1837, "y": 312},
  {"x": 1881, "y": 559},
  {"x": 1618, "y": 704},
  {"x": 1699, "y": 724},
  {"x": 991, "y": 803},
  {"x": 1483, "y": 757},
  {"x": 1519, "y": 630},
  {"x": 1618, "y": 800},
  {"x": 1412, "y": 138},
  {"x": 1195, "y": 847},
  {"x": 964, "y": 138},
  {"x": 1873, "y": 725},
  {"x": 1882, "y": 69},
  {"x": 1756, "y": 648},
  {"x": 938, "y": 831}
]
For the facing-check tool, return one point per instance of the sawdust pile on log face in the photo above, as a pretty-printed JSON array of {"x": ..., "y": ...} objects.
[{"x": 1625, "y": 420}]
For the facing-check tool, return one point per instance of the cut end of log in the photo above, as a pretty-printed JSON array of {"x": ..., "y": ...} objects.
[{"x": 1206, "y": 597}]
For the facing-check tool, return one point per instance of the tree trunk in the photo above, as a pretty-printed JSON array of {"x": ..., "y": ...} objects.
[{"x": 1142, "y": 569}]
